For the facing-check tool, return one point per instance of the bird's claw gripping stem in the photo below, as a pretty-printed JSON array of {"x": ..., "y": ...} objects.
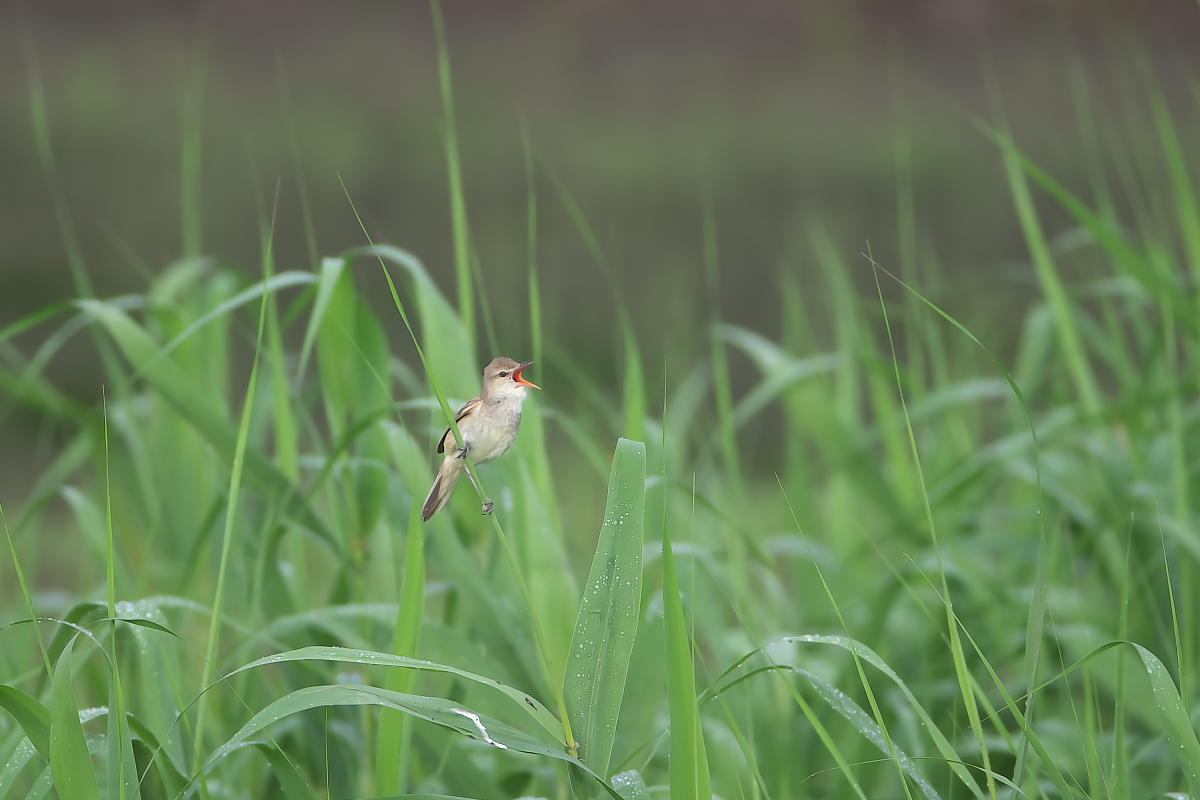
[{"x": 488, "y": 505}]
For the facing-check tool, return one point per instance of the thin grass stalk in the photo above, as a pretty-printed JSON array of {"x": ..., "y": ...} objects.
[
  {"x": 394, "y": 740},
  {"x": 191, "y": 149},
  {"x": 235, "y": 484},
  {"x": 458, "y": 206},
  {"x": 531, "y": 246},
  {"x": 44, "y": 146},
  {"x": 118, "y": 739},
  {"x": 306, "y": 214},
  {"x": 960, "y": 665},
  {"x": 26, "y": 595}
]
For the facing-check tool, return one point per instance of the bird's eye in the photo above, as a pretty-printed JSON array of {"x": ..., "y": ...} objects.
[{"x": 503, "y": 374}]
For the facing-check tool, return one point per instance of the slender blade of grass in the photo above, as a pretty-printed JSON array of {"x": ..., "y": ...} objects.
[
  {"x": 458, "y": 203},
  {"x": 960, "y": 666},
  {"x": 392, "y": 752},
  {"x": 689, "y": 761},
  {"x": 231, "y": 509},
  {"x": 122, "y": 768}
]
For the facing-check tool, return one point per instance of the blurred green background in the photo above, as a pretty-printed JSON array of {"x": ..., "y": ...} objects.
[{"x": 790, "y": 114}]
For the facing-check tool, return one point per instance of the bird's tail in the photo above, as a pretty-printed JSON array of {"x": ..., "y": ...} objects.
[{"x": 443, "y": 485}]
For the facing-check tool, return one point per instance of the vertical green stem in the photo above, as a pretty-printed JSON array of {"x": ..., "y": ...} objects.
[{"x": 458, "y": 205}]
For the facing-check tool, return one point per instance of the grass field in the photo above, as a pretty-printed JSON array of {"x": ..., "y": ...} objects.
[{"x": 899, "y": 560}]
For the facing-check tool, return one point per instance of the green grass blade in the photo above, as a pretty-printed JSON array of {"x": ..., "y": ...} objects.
[
  {"x": 306, "y": 213},
  {"x": 958, "y": 655},
  {"x": 32, "y": 716},
  {"x": 866, "y": 654},
  {"x": 328, "y": 279},
  {"x": 440, "y": 711},
  {"x": 70, "y": 764},
  {"x": 122, "y": 768},
  {"x": 446, "y": 346},
  {"x": 606, "y": 626},
  {"x": 231, "y": 524},
  {"x": 26, "y": 595},
  {"x": 191, "y": 151},
  {"x": 1175, "y": 720},
  {"x": 458, "y": 203},
  {"x": 392, "y": 752},
  {"x": 870, "y": 729},
  {"x": 284, "y": 418},
  {"x": 689, "y": 761},
  {"x": 1052, "y": 285},
  {"x": 630, "y": 785},
  {"x": 535, "y": 710}
]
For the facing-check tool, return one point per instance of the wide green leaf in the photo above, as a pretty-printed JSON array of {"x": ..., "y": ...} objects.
[
  {"x": 1176, "y": 723},
  {"x": 602, "y": 643},
  {"x": 70, "y": 763}
]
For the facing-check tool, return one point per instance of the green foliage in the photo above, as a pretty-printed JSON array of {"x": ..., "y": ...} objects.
[{"x": 900, "y": 557}]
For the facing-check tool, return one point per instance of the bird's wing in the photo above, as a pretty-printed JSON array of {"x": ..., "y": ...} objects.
[{"x": 462, "y": 414}]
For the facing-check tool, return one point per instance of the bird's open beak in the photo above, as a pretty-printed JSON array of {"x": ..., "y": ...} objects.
[{"x": 521, "y": 380}]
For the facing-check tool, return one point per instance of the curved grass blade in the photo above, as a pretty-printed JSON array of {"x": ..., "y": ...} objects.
[
  {"x": 281, "y": 281},
  {"x": 630, "y": 785},
  {"x": 31, "y": 715},
  {"x": 602, "y": 644},
  {"x": 1176, "y": 723},
  {"x": 437, "y": 710},
  {"x": 169, "y": 772},
  {"x": 840, "y": 702},
  {"x": 855, "y": 647},
  {"x": 17, "y": 755},
  {"x": 532, "y": 707}
]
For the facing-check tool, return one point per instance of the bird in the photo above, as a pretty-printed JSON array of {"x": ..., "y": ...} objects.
[{"x": 488, "y": 425}]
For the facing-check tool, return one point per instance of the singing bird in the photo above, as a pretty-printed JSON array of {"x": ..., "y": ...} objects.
[{"x": 488, "y": 425}]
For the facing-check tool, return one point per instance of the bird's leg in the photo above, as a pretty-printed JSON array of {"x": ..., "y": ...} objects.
[{"x": 488, "y": 505}]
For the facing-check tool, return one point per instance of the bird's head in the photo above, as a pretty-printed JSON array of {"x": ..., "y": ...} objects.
[{"x": 503, "y": 378}]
